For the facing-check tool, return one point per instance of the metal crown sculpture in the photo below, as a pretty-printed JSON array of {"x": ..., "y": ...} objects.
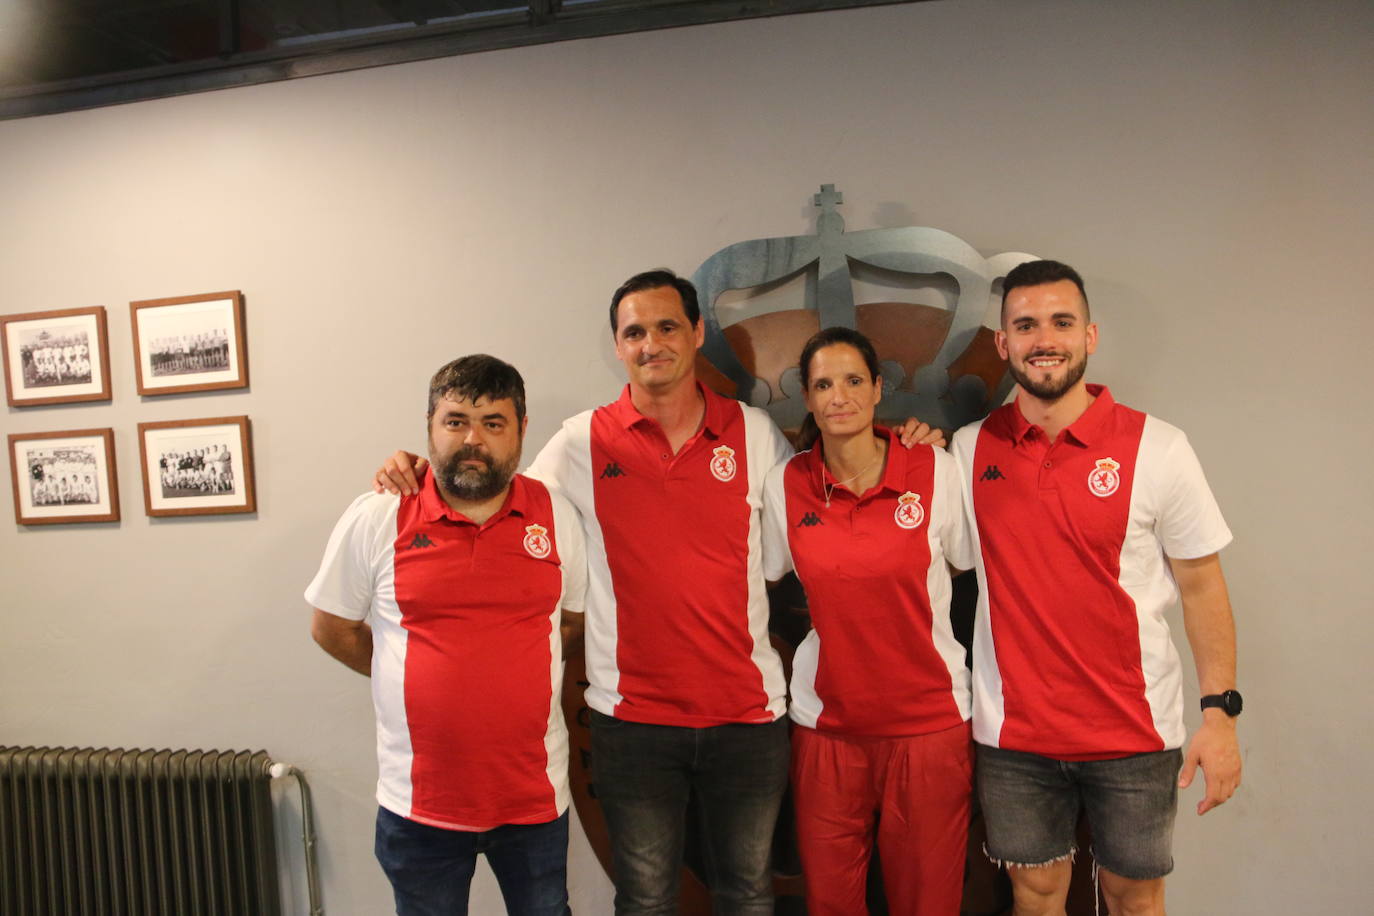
[{"x": 938, "y": 364}]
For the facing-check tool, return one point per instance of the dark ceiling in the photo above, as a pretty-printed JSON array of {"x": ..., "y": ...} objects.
[
  {"x": 52, "y": 40},
  {"x": 59, "y": 55}
]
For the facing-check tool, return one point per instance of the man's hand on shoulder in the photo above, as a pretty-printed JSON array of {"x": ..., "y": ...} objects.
[
  {"x": 1216, "y": 749},
  {"x": 913, "y": 432},
  {"x": 400, "y": 474}
]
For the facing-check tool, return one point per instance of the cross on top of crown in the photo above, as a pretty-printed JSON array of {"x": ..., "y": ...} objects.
[{"x": 828, "y": 198}]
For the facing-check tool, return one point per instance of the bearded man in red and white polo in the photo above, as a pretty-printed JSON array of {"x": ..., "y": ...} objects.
[
  {"x": 1091, "y": 520},
  {"x": 687, "y": 695},
  {"x": 455, "y": 598}
]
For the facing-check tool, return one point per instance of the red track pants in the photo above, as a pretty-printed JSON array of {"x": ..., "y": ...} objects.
[{"x": 918, "y": 790}]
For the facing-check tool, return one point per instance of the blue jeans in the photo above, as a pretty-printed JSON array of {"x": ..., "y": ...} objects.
[
  {"x": 431, "y": 868},
  {"x": 1031, "y": 805},
  {"x": 644, "y": 776}
]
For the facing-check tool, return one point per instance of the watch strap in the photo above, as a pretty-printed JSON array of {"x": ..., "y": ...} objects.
[{"x": 1228, "y": 702}]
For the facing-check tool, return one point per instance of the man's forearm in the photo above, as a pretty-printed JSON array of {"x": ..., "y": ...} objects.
[
  {"x": 571, "y": 626},
  {"x": 348, "y": 641},
  {"x": 1208, "y": 620}
]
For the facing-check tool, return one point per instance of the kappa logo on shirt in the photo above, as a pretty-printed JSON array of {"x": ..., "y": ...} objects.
[
  {"x": 612, "y": 470},
  {"x": 809, "y": 520},
  {"x": 991, "y": 472},
  {"x": 421, "y": 540}
]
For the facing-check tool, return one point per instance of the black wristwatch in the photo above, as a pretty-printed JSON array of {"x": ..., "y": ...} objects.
[{"x": 1228, "y": 702}]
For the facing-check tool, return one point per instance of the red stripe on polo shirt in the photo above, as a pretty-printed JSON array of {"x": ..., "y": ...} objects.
[
  {"x": 1052, "y": 520},
  {"x": 676, "y": 529},
  {"x": 477, "y": 604},
  {"x": 864, "y": 562}
]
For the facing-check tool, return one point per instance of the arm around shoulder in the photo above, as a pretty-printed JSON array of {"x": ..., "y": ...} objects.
[
  {"x": 400, "y": 474},
  {"x": 957, "y": 532}
]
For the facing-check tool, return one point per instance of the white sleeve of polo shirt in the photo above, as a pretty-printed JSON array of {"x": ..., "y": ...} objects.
[
  {"x": 553, "y": 465},
  {"x": 572, "y": 552},
  {"x": 777, "y": 554},
  {"x": 956, "y": 537},
  {"x": 1189, "y": 524},
  {"x": 545, "y": 466},
  {"x": 782, "y": 448},
  {"x": 347, "y": 576}
]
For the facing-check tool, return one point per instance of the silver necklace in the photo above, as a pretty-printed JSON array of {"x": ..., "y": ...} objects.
[{"x": 829, "y": 488}]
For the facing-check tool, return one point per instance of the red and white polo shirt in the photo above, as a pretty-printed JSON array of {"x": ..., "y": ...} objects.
[
  {"x": 881, "y": 658},
  {"x": 1072, "y": 657},
  {"x": 677, "y": 612},
  {"x": 467, "y": 659}
]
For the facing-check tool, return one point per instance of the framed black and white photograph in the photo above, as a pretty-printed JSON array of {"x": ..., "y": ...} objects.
[
  {"x": 189, "y": 343},
  {"x": 197, "y": 467},
  {"x": 56, "y": 357},
  {"x": 64, "y": 477}
]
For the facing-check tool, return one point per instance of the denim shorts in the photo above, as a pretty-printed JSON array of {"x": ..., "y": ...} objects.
[{"x": 1031, "y": 806}]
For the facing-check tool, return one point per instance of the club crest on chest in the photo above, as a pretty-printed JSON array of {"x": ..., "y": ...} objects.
[
  {"x": 909, "y": 513},
  {"x": 1103, "y": 479},
  {"x": 537, "y": 543},
  {"x": 723, "y": 465}
]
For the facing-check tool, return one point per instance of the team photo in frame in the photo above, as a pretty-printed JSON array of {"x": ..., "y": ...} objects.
[
  {"x": 59, "y": 356},
  {"x": 197, "y": 467},
  {"x": 189, "y": 343},
  {"x": 64, "y": 477}
]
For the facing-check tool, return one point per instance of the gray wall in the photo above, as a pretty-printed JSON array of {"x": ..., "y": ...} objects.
[{"x": 1206, "y": 165}]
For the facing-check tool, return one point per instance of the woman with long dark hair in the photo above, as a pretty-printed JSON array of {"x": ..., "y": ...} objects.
[{"x": 881, "y": 749}]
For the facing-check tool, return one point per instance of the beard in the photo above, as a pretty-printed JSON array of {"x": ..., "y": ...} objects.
[
  {"x": 1049, "y": 389},
  {"x": 474, "y": 484}
]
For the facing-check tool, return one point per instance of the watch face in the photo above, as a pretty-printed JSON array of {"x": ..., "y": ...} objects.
[{"x": 1231, "y": 702}]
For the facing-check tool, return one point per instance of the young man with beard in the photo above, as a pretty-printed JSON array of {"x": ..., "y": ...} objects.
[
  {"x": 450, "y": 598},
  {"x": 1092, "y": 518}
]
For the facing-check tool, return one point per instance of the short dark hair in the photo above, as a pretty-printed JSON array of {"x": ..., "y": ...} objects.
[
  {"x": 1038, "y": 273},
  {"x": 827, "y": 337},
  {"x": 654, "y": 279},
  {"x": 478, "y": 376}
]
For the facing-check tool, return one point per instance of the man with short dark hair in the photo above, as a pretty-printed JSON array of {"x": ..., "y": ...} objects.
[
  {"x": 463, "y": 583},
  {"x": 1092, "y": 518},
  {"x": 686, "y": 692}
]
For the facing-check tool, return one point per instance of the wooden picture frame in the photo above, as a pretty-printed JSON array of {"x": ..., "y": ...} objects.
[
  {"x": 64, "y": 477},
  {"x": 197, "y": 467},
  {"x": 189, "y": 343},
  {"x": 60, "y": 356}
]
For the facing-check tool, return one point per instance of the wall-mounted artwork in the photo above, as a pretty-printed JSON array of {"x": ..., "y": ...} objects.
[
  {"x": 64, "y": 477},
  {"x": 197, "y": 467},
  {"x": 189, "y": 343},
  {"x": 56, "y": 357},
  {"x": 921, "y": 295}
]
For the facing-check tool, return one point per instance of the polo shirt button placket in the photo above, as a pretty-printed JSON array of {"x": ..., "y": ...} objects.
[{"x": 1046, "y": 478}]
